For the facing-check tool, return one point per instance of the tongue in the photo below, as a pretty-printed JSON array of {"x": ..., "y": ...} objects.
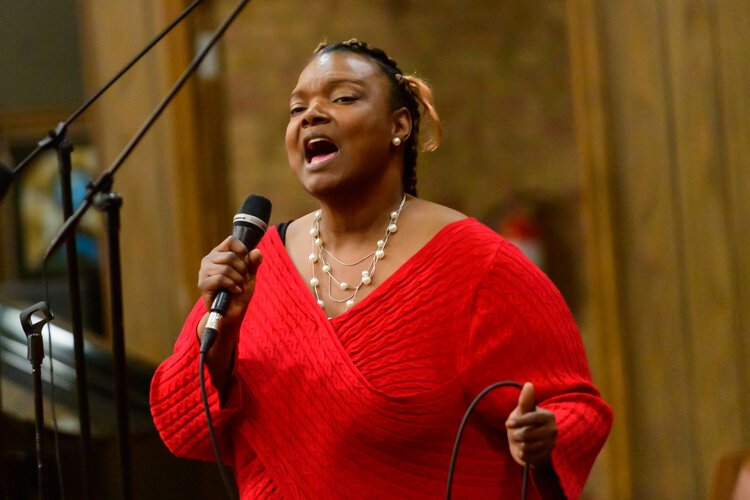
[{"x": 322, "y": 157}]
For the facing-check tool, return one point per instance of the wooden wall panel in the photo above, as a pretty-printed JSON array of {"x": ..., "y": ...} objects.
[
  {"x": 605, "y": 349},
  {"x": 700, "y": 166},
  {"x": 160, "y": 181},
  {"x": 652, "y": 309},
  {"x": 675, "y": 76},
  {"x": 732, "y": 55}
]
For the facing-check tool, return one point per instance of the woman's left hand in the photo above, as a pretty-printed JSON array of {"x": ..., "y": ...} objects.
[{"x": 531, "y": 431}]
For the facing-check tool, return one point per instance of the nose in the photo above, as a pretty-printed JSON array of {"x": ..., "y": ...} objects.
[{"x": 315, "y": 114}]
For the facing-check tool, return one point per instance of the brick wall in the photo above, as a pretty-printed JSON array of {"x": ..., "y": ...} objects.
[{"x": 499, "y": 70}]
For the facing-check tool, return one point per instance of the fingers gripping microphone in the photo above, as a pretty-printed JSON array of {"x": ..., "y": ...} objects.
[{"x": 250, "y": 225}]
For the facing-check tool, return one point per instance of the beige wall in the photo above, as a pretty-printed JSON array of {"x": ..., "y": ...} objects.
[{"x": 499, "y": 71}]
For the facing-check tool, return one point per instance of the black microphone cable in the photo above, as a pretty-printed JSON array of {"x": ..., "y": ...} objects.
[
  {"x": 250, "y": 224},
  {"x": 459, "y": 434},
  {"x": 211, "y": 433}
]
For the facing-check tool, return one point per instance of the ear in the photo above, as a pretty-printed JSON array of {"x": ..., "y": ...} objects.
[{"x": 401, "y": 124}]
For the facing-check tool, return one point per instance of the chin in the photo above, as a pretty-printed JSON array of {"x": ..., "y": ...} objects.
[{"x": 322, "y": 188}]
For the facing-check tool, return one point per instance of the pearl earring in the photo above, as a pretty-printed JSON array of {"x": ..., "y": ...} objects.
[{"x": 396, "y": 141}]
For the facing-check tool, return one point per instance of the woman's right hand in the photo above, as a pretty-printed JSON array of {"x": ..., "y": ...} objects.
[{"x": 232, "y": 267}]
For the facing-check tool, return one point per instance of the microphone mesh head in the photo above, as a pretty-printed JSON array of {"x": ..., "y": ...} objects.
[{"x": 258, "y": 206}]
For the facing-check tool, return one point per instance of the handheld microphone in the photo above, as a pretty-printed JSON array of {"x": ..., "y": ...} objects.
[{"x": 250, "y": 225}]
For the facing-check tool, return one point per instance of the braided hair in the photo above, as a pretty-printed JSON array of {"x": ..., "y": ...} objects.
[{"x": 408, "y": 91}]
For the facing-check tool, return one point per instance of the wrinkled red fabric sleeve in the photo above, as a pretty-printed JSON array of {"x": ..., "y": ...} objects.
[
  {"x": 522, "y": 330},
  {"x": 176, "y": 405}
]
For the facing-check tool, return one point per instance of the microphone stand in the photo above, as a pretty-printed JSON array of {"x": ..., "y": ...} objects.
[
  {"x": 100, "y": 193},
  {"x": 58, "y": 135},
  {"x": 56, "y": 139},
  {"x": 104, "y": 182},
  {"x": 64, "y": 150},
  {"x": 110, "y": 203},
  {"x": 35, "y": 354}
]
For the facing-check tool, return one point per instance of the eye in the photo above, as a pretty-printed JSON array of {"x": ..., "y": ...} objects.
[
  {"x": 346, "y": 99},
  {"x": 295, "y": 110}
]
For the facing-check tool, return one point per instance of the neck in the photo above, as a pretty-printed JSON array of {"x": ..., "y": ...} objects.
[
  {"x": 346, "y": 222},
  {"x": 354, "y": 238}
]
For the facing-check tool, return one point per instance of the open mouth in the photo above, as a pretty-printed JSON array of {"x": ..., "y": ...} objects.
[{"x": 319, "y": 149}]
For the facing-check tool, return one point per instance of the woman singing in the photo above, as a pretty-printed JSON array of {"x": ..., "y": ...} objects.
[{"x": 358, "y": 334}]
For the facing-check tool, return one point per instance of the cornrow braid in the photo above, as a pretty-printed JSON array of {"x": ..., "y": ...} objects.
[{"x": 407, "y": 91}]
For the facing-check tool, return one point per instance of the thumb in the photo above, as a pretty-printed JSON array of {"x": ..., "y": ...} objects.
[{"x": 526, "y": 398}]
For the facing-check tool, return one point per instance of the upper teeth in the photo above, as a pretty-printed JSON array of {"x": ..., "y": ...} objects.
[{"x": 317, "y": 139}]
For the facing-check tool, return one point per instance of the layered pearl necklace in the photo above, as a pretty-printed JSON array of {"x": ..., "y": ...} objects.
[{"x": 320, "y": 255}]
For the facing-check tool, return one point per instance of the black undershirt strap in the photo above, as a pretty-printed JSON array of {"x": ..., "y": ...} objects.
[{"x": 281, "y": 228}]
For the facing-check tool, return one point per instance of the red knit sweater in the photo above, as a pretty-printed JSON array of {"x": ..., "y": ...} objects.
[{"x": 367, "y": 405}]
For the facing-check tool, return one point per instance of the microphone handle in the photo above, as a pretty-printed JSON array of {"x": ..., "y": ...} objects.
[
  {"x": 250, "y": 235},
  {"x": 213, "y": 323},
  {"x": 221, "y": 302}
]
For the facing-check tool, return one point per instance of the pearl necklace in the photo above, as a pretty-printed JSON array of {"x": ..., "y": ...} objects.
[{"x": 320, "y": 254}]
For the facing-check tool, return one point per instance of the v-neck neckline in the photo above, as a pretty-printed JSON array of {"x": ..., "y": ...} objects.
[{"x": 379, "y": 290}]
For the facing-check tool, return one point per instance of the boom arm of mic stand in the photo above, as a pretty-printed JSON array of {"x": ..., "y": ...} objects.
[
  {"x": 56, "y": 136},
  {"x": 104, "y": 183}
]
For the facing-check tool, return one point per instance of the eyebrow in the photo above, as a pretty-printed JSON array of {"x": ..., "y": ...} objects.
[{"x": 332, "y": 83}]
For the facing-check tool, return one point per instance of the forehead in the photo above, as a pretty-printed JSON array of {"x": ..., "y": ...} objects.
[{"x": 339, "y": 66}]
